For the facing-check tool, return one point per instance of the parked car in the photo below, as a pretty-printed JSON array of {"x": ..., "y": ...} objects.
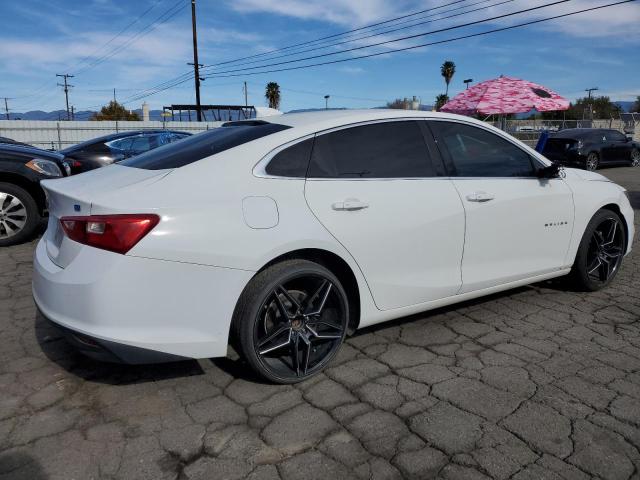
[
  {"x": 11, "y": 141},
  {"x": 22, "y": 200},
  {"x": 284, "y": 236},
  {"x": 116, "y": 147},
  {"x": 590, "y": 148}
]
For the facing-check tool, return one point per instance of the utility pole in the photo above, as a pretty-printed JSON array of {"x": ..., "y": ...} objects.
[
  {"x": 66, "y": 90},
  {"x": 6, "y": 107},
  {"x": 589, "y": 90},
  {"x": 196, "y": 65},
  {"x": 73, "y": 113},
  {"x": 246, "y": 102},
  {"x": 114, "y": 96}
]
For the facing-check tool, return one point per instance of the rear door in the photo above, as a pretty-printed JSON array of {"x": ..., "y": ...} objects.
[
  {"x": 376, "y": 189},
  {"x": 517, "y": 225}
]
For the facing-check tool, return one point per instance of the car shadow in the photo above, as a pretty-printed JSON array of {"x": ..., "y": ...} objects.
[
  {"x": 18, "y": 465},
  {"x": 58, "y": 350}
]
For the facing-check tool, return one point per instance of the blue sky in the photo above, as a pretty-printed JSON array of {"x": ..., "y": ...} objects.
[{"x": 39, "y": 38}]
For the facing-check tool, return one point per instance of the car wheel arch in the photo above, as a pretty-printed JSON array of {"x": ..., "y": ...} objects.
[
  {"x": 32, "y": 189},
  {"x": 616, "y": 209},
  {"x": 339, "y": 267}
]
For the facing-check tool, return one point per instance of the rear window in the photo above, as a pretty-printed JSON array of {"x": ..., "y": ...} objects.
[{"x": 205, "y": 144}]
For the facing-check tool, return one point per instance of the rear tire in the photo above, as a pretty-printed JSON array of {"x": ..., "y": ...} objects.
[
  {"x": 635, "y": 157},
  {"x": 592, "y": 162},
  {"x": 290, "y": 321},
  {"x": 600, "y": 253},
  {"x": 19, "y": 216}
]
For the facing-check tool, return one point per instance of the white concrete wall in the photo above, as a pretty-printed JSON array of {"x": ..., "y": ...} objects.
[{"x": 61, "y": 134}]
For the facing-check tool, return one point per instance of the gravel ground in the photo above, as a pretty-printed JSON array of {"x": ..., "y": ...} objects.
[{"x": 529, "y": 384}]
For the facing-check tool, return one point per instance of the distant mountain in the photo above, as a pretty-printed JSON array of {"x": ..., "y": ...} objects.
[{"x": 625, "y": 106}]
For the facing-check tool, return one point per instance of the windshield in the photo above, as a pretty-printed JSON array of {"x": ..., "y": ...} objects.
[{"x": 203, "y": 145}]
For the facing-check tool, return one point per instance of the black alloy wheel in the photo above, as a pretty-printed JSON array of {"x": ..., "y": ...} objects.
[
  {"x": 635, "y": 157},
  {"x": 291, "y": 321},
  {"x": 600, "y": 252}
]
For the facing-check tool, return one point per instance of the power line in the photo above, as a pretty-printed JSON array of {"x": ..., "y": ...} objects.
[
  {"x": 351, "y": 40},
  {"x": 413, "y": 47},
  {"x": 163, "y": 18},
  {"x": 407, "y": 37},
  {"x": 129, "y": 25},
  {"x": 338, "y": 34}
]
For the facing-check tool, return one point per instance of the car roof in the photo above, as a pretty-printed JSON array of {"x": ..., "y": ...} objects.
[
  {"x": 324, "y": 119},
  {"x": 26, "y": 150},
  {"x": 115, "y": 136},
  {"x": 581, "y": 132}
]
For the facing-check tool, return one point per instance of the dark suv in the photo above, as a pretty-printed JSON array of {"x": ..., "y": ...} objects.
[
  {"x": 591, "y": 147},
  {"x": 109, "y": 149}
]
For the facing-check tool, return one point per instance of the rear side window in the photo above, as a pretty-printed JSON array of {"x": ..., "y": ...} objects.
[
  {"x": 205, "y": 144},
  {"x": 379, "y": 150},
  {"x": 292, "y": 161},
  {"x": 476, "y": 152}
]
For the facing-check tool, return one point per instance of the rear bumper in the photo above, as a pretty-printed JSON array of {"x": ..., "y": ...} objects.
[
  {"x": 138, "y": 310},
  {"x": 106, "y": 351}
]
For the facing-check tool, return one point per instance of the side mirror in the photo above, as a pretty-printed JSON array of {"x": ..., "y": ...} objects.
[{"x": 552, "y": 171}]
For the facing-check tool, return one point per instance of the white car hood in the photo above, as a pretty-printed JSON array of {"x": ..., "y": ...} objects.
[{"x": 586, "y": 175}]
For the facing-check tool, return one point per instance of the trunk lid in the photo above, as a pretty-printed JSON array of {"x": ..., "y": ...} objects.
[{"x": 73, "y": 196}]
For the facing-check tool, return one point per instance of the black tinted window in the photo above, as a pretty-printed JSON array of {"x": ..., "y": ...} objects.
[
  {"x": 203, "y": 145},
  {"x": 380, "y": 150},
  {"x": 475, "y": 152},
  {"x": 616, "y": 136},
  {"x": 292, "y": 161}
]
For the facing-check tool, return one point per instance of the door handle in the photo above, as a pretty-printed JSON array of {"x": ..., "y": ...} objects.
[
  {"x": 480, "y": 197},
  {"x": 350, "y": 205}
]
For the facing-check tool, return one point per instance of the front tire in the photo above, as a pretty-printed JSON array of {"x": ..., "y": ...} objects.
[
  {"x": 19, "y": 215},
  {"x": 291, "y": 320},
  {"x": 600, "y": 252},
  {"x": 592, "y": 162}
]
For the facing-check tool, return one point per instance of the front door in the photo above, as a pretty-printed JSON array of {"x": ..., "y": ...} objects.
[
  {"x": 517, "y": 225},
  {"x": 373, "y": 187}
]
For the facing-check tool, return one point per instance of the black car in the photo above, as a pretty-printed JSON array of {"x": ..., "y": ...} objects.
[
  {"x": 22, "y": 200},
  {"x": 109, "y": 149},
  {"x": 11, "y": 141},
  {"x": 591, "y": 147}
]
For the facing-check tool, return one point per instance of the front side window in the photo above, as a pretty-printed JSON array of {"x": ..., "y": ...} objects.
[
  {"x": 379, "y": 150},
  {"x": 616, "y": 136},
  {"x": 476, "y": 152}
]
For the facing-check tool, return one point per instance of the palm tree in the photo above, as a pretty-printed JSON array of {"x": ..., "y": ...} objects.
[
  {"x": 272, "y": 93},
  {"x": 448, "y": 70},
  {"x": 440, "y": 101}
]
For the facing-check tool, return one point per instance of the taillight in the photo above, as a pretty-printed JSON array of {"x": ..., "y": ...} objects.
[{"x": 116, "y": 233}]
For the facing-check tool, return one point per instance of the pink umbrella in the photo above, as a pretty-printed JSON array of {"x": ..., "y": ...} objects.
[{"x": 505, "y": 95}]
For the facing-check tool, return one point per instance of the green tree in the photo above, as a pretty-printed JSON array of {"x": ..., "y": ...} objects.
[
  {"x": 272, "y": 94},
  {"x": 448, "y": 70},
  {"x": 441, "y": 100},
  {"x": 399, "y": 104},
  {"x": 581, "y": 109},
  {"x": 115, "y": 111}
]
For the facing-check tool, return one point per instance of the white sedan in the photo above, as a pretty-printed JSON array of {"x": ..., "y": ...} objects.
[{"x": 280, "y": 237}]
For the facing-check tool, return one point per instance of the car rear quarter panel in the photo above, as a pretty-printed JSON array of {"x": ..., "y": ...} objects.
[{"x": 203, "y": 221}]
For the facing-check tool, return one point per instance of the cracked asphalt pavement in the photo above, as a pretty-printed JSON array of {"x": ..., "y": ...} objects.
[{"x": 529, "y": 384}]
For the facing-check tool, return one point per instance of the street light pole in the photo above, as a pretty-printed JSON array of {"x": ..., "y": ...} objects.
[
  {"x": 467, "y": 82},
  {"x": 326, "y": 102},
  {"x": 196, "y": 65},
  {"x": 589, "y": 90}
]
